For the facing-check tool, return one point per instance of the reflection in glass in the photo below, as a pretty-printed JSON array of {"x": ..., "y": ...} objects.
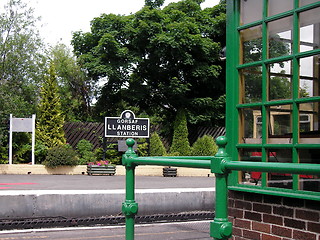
[
  {"x": 306, "y": 2},
  {"x": 250, "y": 125},
  {"x": 250, "y": 11},
  {"x": 251, "y": 84},
  {"x": 309, "y": 122},
  {"x": 280, "y": 81},
  {"x": 309, "y": 76},
  {"x": 251, "y": 155},
  {"x": 276, "y": 6},
  {"x": 309, "y": 30},
  {"x": 280, "y": 127},
  {"x": 251, "y": 44},
  {"x": 280, "y": 180},
  {"x": 309, "y": 182},
  {"x": 280, "y": 37}
]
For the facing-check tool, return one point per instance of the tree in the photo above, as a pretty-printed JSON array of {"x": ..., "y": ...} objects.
[
  {"x": 156, "y": 145},
  {"x": 158, "y": 60},
  {"x": 21, "y": 65},
  {"x": 204, "y": 146},
  {"x": 180, "y": 143},
  {"x": 50, "y": 116},
  {"x": 74, "y": 85}
]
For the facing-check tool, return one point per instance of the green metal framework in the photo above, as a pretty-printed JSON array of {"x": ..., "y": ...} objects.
[
  {"x": 237, "y": 89},
  {"x": 220, "y": 164}
]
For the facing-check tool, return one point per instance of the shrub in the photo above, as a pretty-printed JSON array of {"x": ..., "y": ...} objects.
[
  {"x": 61, "y": 155},
  {"x": 113, "y": 155},
  {"x": 156, "y": 146},
  {"x": 86, "y": 154},
  {"x": 142, "y": 149},
  {"x": 204, "y": 146},
  {"x": 180, "y": 142}
]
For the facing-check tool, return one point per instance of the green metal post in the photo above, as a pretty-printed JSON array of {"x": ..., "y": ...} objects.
[
  {"x": 221, "y": 228},
  {"x": 129, "y": 207}
]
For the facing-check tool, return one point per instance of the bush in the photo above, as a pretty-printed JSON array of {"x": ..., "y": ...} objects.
[
  {"x": 156, "y": 146},
  {"x": 113, "y": 155},
  {"x": 142, "y": 149},
  {"x": 62, "y": 155},
  {"x": 86, "y": 154},
  {"x": 204, "y": 146},
  {"x": 180, "y": 142}
]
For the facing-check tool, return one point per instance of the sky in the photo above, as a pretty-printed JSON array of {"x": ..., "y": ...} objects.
[{"x": 59, "y": 18}]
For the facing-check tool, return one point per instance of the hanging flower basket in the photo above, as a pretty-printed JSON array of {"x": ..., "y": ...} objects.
[{"x": 101, "y": 168}]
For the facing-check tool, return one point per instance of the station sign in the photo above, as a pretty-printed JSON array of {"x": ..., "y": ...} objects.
[{"x": 127, "y": 125}]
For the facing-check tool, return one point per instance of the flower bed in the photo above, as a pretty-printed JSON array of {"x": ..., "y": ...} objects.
[{"x": 101, "y": 168}]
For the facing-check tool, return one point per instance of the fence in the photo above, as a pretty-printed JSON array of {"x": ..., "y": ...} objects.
[{"x": 94, "y": 132}]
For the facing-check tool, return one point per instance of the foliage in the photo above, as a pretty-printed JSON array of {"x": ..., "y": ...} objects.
[
  {"x": 50, "y": 116},
  {"x": 21, "y": 64},
  {"x": 61, "y": 155},
  {"x": 3, "y": 155},
  {"x": 74, "y": 85},
  {"x": 99, "y": 163},
  {"x": 157, "y": 60},
  {"x": 142, "y": 149},
  {"x": 180, "y": 142},
  {"x": 113, "y": 155},
  {"x": 85, "y": 151},
  {"x": 156, "y": 146},
  {"x": 204, "y": 146}
]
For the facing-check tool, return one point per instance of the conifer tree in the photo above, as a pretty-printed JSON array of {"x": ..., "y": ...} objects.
[
  {"x": 156, "y": 145},
  {"x": 180, "y": 141},
  {"x": 50, "y": 116}
]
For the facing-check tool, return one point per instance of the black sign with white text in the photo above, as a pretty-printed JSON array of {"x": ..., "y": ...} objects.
[{"x": 127, "y": 126}]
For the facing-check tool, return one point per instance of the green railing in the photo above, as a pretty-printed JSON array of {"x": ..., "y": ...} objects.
[{"x": 220, "y": 165}]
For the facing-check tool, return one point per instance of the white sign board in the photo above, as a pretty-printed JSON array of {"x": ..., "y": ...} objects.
[{"x": 22, "y": 125}]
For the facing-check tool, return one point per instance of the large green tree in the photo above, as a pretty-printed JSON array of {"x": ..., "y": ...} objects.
[
  {"x": 21, "y": 64},
  {"x": 75, "y": 88},
  {"x": 158, "y": 59}
]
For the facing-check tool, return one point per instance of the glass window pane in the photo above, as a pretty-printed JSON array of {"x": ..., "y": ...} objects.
[
  {"x": 309, "y": 182},
  {"x": 280, "y": 127},
  {"x": 309, "y": 30},
  {"x": 309, "y": 122},
  {"x": 280, "y": 37},
  {"x": 280, "y": 77},
  {"x": 306, "y": 2},
  {"x": 251, "y": 44},
  {"x": 250, "y": 125},
  {"x": 280, "y": 180},
  {"x": 250, "y": 11},
  {"x": 251, "y": 84},
  {"x": 251, "y": 155},
  {"x": 276, "y": 6},
  {"x": 309, "y": 76}
]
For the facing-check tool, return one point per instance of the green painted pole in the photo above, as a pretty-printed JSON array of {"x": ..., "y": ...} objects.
[
  {"x": 221, "y": 228},
  {"x": 129, "y": 207}
]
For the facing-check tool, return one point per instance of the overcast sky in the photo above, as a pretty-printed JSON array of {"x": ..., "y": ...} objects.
[{"x": 62, "y": 17}]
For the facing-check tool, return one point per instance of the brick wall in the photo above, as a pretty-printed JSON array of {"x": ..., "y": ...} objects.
[{"x": 264, "y": 217}]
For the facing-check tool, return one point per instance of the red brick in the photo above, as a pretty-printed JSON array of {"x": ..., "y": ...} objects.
[
  {"x": 261, "y": 227},
  {"x": 253, "y": 216},
  {"x": 292, "y": 202},
  {"x": 272, "y": 219},
  {"x": 272, "y": 199},
  {"x": 241, "y": 223},
  {"x": 313, "y": 227},
  {"x": 262, "y": 208},
  {"x": 251, "y": 235},
  {"x": 236, "y": 231},
  {"x": 283, "y": 211},
  {"x": 237, "y": 213},
  {"x": 270, "y": 237},
  {"x": 307, "y": 215},
  {"x": 230, "y": 203},
  {"x": 281, "y": 231},
  {"x": 243, "y": 205},
  {"x": 253, "y": 197},
  {"x": 301, "y": 235},
  {"x": 289, "y": 222}
]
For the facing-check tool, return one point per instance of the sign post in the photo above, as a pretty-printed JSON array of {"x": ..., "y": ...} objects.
[
  {"x": 22, "y": 125},
  {"x": 127, "y": 126}
]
